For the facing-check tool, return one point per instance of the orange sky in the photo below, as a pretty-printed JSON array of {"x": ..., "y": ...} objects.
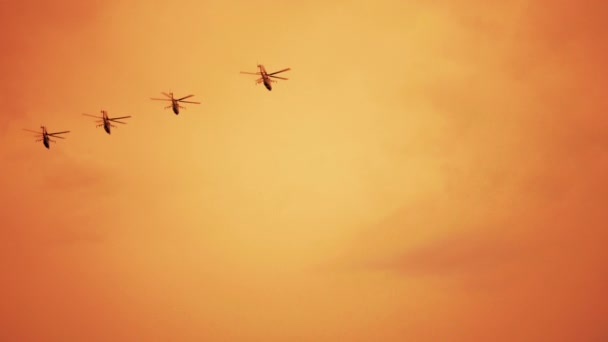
[{"x": 430, "y": 172}]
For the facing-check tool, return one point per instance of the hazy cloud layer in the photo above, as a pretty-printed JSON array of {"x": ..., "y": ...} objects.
[
  {"x": 442, "y": 163},
  {"x": 522, "y": 212}
]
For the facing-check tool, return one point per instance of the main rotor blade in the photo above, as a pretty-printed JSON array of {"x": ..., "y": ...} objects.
[
  {"x": 29, "y": 130},
  {"x": 93, "y": 116},
  {"x": 281, "y": 78},
  {"x": 167, "y": 95},
  {"x": 276, "y": 72},
  {"x": 120, "y": 122},
  {"x": 189, "y": 102},
  {"x": 185, "y": 97},
  {"x": 120, "y": 117},
  {"x": 152, "y": 98},
  {"x": 56, "y": 136},
  {"x": 53, "y": 134},
  {"x": 251, "y": 73}
]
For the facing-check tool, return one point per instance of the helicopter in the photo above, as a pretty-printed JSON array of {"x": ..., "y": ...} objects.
[
  {"x": 175, "y": 102},
  {"x": 45, "y": 136},
  {"x": 266, "y": 77},
  {"x": 106, "y": 121}
]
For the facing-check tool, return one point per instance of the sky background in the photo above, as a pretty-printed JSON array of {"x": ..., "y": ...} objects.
[{"x": 429, "y": 172}]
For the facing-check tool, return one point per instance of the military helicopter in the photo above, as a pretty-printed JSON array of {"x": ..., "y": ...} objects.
[
  {"x": 175, "y": 102},
  {"x": 45, "y": 136},
  {"x": 266, "y": 77},
  {"x": 106, "y": 121}
]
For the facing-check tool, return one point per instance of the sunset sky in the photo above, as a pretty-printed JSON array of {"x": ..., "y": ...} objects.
[{"x": 432, "y": 171}]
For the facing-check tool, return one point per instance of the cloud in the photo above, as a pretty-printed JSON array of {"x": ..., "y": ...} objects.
[
  {"x": 458, "y": 254},
  {"x": 518, "y": 226},
  {"x": 66, "y": 193},
  {"x": 34, "y": 32},
  {"x": 510, "y": 109}
]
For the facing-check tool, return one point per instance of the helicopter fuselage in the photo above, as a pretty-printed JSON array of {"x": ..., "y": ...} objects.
[
  {"x": 267, "y": 82},
  {"x": 175, "y": 106},
  {"x": 106, "y": 126},
  {"x": 45, "y": 141},
  {"x": 265, "y": 79}
]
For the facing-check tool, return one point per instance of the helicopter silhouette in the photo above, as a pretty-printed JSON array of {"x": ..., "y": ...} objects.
[
  {"x": 45, "y": 136},
  {"x": 106, "y": 121},
  {"x": 266, "y": 77},
  {"x": 175, "y": 102}
]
